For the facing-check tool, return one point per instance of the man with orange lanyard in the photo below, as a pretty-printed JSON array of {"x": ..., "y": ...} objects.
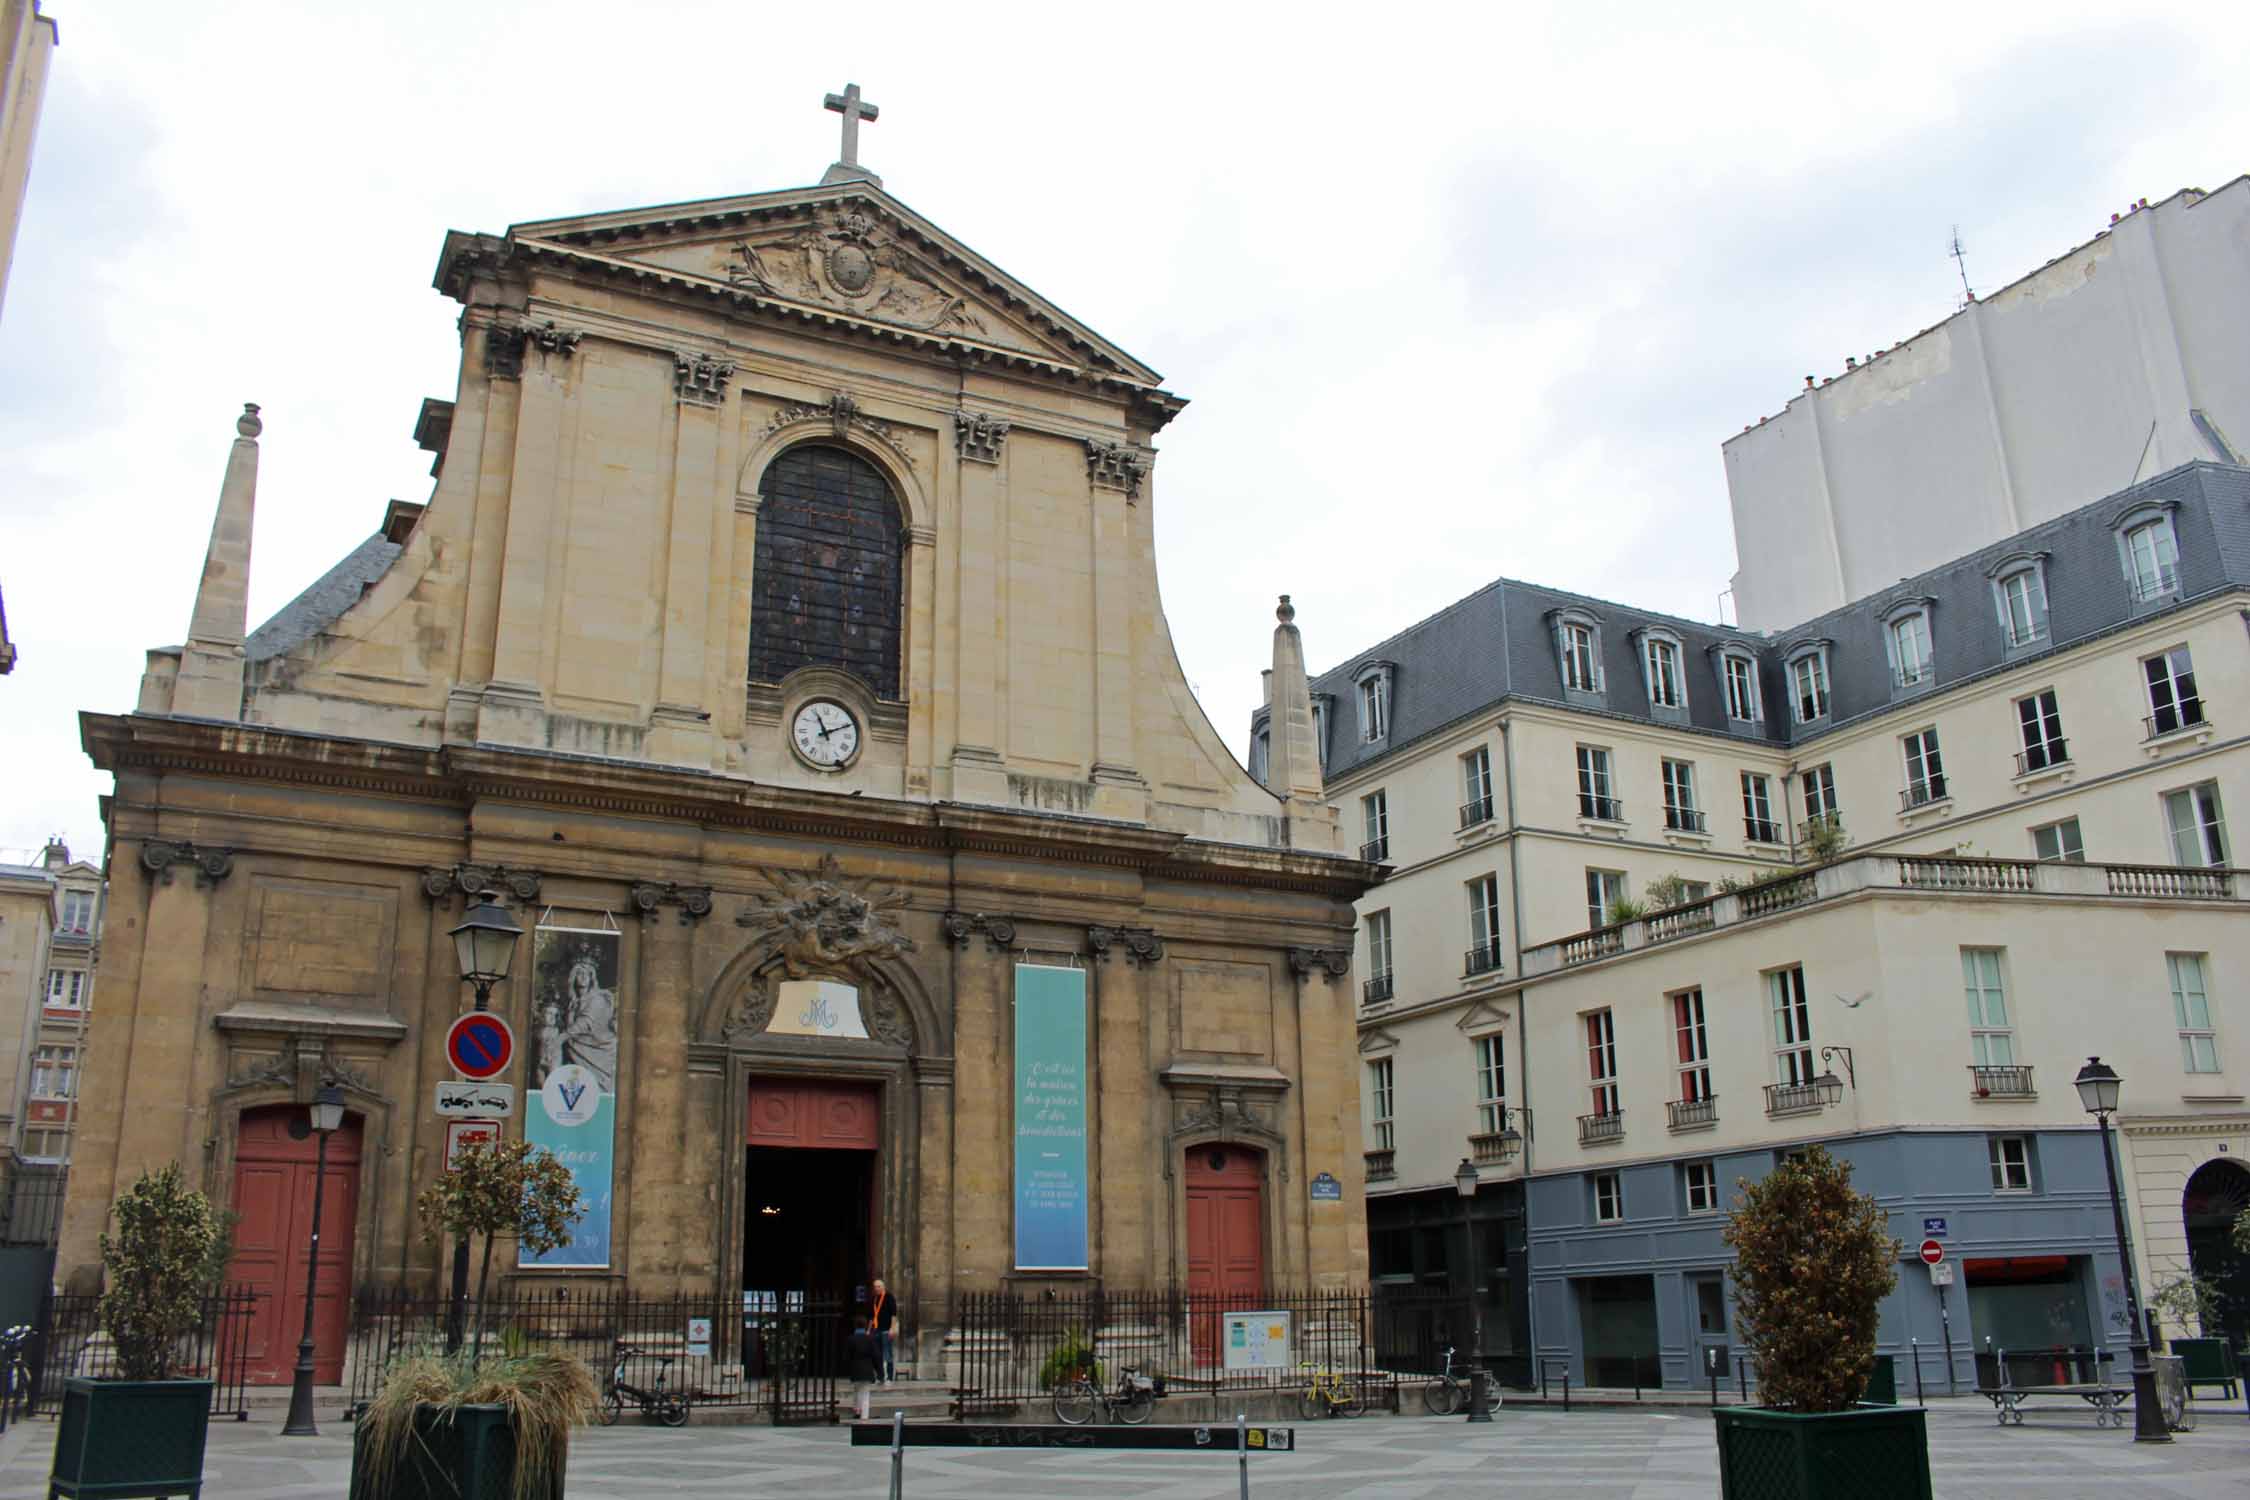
[{"x": 882, "y": 1319}]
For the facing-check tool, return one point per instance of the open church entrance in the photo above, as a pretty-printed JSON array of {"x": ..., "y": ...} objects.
[{"x": 808, "y": 1234}]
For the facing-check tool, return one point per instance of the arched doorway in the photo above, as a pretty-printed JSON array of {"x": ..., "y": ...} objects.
[
  {"x": 2217, "y": 1193},
  {"x": 1226, "y": 1241},
  {"x": 273, "y": 1201}
]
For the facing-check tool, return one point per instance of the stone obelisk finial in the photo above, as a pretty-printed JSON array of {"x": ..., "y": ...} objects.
[
  {"x": 210, "y": 685},
  {"x": 1293, "y": 765}
]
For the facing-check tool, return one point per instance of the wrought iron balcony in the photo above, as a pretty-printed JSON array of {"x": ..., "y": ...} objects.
[
  {"x": 1594, "y": 1130},
  {"x": 2186, "y": 714},
  {"x": 1802, "y": 1098},
  {"x": 1375, "y": 851},
  {"x": 1761, "y": 830},
  {"x": 2043, "y": 757},
  {"x": 1481, "y": 960},
  {"x": 1376, "y": 990},
  {"x": 1922, "y": 793},
  {"x": 2001, "y": 1082},
  {"x": 1684, "y": 819},
  {"x": 1693, "y": 1114},
  {"x": 1601, "y": 809},
  {"x": 2157, "y": 585},
  {"x": 1382, "y": 1165},
  {"x": 1479, "y": 811}
]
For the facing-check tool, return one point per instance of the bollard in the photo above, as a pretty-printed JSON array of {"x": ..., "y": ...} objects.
[
  {"x": 1242, "y": 1450},
  {"x": 1711, "y": 1368},
  {"x": 898, "y": 1455},
  {"x": 1742, "y": 1377},
  {"x": 1916, "y": 1345},
  {"x": 1566, "y": 1388}
]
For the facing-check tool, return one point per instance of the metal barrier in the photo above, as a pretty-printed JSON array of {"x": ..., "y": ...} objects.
[{"x": 69, "y": 1341}]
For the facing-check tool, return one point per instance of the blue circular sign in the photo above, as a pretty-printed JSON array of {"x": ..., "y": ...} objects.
[{"x": 480, "y": 1045}]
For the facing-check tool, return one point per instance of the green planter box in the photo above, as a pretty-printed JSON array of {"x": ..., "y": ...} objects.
[
  {"x": 1868, "y": 1453},
  {"x": 1882, "y": 1382},
  {"x": 458, "y": 1453},
  {"x": 121, "y": 1438}
]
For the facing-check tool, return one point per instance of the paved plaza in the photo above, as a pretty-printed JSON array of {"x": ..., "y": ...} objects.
[{"x": 1649, "y": 1455}]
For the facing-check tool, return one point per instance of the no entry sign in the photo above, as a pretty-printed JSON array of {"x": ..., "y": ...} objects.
[
  {"x": 1932, "y": 1252},
  {"x": 479, "y": 1045}
]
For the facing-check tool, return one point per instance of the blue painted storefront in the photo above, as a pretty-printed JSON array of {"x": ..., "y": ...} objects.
[{"x": 1637, "y": 1289}]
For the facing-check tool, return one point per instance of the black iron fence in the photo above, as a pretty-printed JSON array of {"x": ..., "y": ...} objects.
[
  {"x": 781, "y": 1355},
  {"x": 31, "y": 1211},
  {"x": 1012, "y": 1349},
  {"x": 70, "y": 1341}
]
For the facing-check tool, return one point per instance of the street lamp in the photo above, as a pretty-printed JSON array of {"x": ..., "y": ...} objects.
[
  {"x": 1465, "y": 1184},
  {"x": 327, "y": 1113},
  {"x": 484, "y": 945},
  {"x": 2098, "y": 1088}
]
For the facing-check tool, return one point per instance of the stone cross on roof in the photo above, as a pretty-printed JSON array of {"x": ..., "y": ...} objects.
[{"x": 853, "y": 109}]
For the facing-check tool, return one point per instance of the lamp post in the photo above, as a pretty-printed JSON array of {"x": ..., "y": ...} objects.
[
  {"x": 1465, "y": 1184},
  {"x": 484, "y": 945},
  {"x": 327, "y": 1113},
  {"x": 2098, "y": 1088}
]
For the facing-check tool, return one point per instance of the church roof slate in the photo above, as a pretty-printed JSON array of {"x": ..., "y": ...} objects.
[{"x": 324, "y": 603}]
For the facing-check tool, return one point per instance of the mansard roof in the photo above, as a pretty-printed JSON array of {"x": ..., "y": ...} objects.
[{"x": 1498, "y": 644}]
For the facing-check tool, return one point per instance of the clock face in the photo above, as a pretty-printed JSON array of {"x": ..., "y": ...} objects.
[{"x": 826, "y": 734}]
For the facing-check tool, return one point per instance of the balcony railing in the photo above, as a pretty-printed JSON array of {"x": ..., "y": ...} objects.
[
  {"x": 1594, "y": 1130},
  {"x": 1479, "y": 811},
  {"x": 1777, "y": 895},
  {"x": 1481, "y": 960},
  {"x": 2174, "y": 882},
  {"x": 1921, "y": 793},
  {"x": 1588, "y": 946},
  {"x": 2148, "y": 586},
  {"x": 1601, "y": 809},
  {"x": 1957, "y": 873},
  {"x": 1683, "y": 819},
  {"x": 1679, "y": 921},
  {"x": 1382, "y": 1165},
  {"x": 2043, "y": 757},
  {"x": 1798, "y": 1098},
  {"x": 1494, "y": 1148},
  {"x": 1693, "y": 1114},
  {"x": 1375, "y": 990},
  {"x": 2001, "y": 1082},
  {"x": 1375, "y": 851},
  {"x": 1761, "y": 830},
  {"x": 2188, "y": 714}
]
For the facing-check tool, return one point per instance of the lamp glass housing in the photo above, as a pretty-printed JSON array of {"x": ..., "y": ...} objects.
[
  {"x": 2099, "y": 1087},
  {"x": 328, "y": 1109},
  {"x": 485, "y": 942},
  {"x": 1465, "y": 1178}
]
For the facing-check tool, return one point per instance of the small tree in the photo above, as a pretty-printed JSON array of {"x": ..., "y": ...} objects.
[
  {"x": 1814, "y": 1260},
  {"x": 170, "y": 1250},
  {"x": 511, "y": 1187},
  {"x": 1824, "y": 839}
]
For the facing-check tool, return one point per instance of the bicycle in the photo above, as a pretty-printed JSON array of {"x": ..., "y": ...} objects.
[
  {"x": 1448, "y": 1392},
  {"x": 1329, "y": 1394},
  {"x": 656, "y": 1403},
  {"x": 15, "y": 1373},
  {"x": 1132, "y": 1402}
]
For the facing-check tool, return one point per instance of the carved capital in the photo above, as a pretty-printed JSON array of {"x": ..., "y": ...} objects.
[
  {"x": 160, "y": 856},
  {"x": 694, "y": 901},
  {"x": 701, "y": 378},
  {"x": 503, "y": 351},
  {"x": 962, "y": 927},
  {"x": 1115, "y": 466},
  {"x": 470, "y": 880},
  {"x": 979, "y": 437},
  {"x": 1140, "y": 945},
  {"x": 553, "y": 339},
  {"x": 1335, "y": 962}
]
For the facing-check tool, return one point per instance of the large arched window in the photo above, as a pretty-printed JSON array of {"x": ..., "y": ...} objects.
[{"x": 824, "y": 584}]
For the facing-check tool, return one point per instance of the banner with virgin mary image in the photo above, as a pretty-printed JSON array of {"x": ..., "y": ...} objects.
[{"x": 570, "y": 1107}]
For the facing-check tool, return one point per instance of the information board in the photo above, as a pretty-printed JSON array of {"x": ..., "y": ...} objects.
[{"x": 1257, "y": 1341}]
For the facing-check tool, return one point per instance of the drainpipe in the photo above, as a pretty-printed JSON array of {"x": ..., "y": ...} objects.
[{"x": 1523, "y": 1071}]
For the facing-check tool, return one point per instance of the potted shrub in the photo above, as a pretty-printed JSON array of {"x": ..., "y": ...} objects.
[
  {"x": 1814, "y": 1259},
  {"x": 141, "y": 1432},
  {"x": 1072, "y": 1358},
  {"x": 468, "y": 1425}
]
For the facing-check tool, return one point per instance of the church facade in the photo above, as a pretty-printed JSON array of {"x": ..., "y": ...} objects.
[{"x": 781, "y": 641}]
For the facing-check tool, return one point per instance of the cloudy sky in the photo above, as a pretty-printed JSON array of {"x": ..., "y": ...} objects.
[{"x": 1454, "y": 292}]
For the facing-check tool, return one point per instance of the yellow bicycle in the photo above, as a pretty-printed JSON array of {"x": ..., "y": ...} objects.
[{"x": 1328, "y": 1394}]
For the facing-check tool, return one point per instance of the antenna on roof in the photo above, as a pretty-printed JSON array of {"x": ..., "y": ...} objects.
[{"x": 1961, "y": 264}]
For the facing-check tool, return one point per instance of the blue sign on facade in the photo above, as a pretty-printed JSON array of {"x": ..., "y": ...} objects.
[
  {"x": 1934, "y": 1228},
  {"x": 1325, "y": 1188},
  {"x": 1050, "y": 1118}
]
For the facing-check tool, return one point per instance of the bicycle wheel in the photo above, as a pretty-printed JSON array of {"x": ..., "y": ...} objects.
[
  {"x": 1074, "y": 1402},
  {"x": 672, "y": 1411},
  {"x": 1442, "y": 1397},
  {"x": 1346, "y": 1397},
  {"x": 1311, "y": 1403},
  {"x": 1136, "y": 1405},
  {"x": 612, "y": 1407}
]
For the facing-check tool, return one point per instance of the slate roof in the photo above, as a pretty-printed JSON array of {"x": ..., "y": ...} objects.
[
  {"x": 322, "y": 605},
  {"x": 1499, "y": 642}
]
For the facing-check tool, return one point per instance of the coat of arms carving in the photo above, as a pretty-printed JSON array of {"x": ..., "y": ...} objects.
[{"x": 824, "y": 923}]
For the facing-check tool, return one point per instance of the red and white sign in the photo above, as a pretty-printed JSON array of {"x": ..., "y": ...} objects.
[
  {"x": 1932, "y": 1252},
  {"x": 460, "y": 1133},
  {"x": 480, "y": 1045}
]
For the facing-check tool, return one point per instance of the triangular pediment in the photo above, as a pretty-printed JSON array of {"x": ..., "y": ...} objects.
[{"x": 848, "y": 251}]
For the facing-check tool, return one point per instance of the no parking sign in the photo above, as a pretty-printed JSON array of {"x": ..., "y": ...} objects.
[{"x": 479, "y": 1045}]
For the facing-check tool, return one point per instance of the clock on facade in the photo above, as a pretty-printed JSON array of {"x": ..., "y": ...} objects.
[{"x": 826, "y": 735}]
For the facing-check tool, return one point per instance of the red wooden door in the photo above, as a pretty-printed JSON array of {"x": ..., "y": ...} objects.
[
  {"x": 273, "y": 1197},
  {"x": 814, "y": 1115},
  {"x": 1226, "y": 1256}
]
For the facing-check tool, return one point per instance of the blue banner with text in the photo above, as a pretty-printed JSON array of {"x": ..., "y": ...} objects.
[{"x": 1050, "y": 1118}]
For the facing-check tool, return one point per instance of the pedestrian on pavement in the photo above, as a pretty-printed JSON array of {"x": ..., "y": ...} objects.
[
  {"x": 859, "y": 1363},
  {"x": 882, "y": 1321}
]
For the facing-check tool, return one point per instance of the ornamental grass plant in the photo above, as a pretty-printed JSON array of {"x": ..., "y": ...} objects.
[
  {"x": 546, "y": 1395},
  {"x": 1814, "y": 1260}
]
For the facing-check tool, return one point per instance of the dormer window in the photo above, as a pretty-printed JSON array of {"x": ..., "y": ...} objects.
[
  {"x": 1906, "y": 640},
  {"x": 1660, "y": 670},
  {"x": 2150, "y": 551},
  {"x": 1578, "y": 650},
  {"x": 1808, "y": 680},
  {"x": 1738, "y": 673},
  {"x": 1261, "y": 753},
  {"x": 1320, "y": 704},
  {"x": 2019, "y": 592},
  {"x": 1373, "y": 682}
]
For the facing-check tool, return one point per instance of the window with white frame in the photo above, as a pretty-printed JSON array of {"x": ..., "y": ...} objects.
[
  {"x": 2173, "y": 702},
  {"x": 1379, "y": 1096},
  {"x": 1492, "y": 1084},
  {"x": 1484, "y": 924},
  {"x": 2059, "y": 843},
  {"x": 1992, "y": 1039},
  {"x": 1375, "y": 818},
  {"x": 1792, "y": 1026},
  {"x": 1742, "y": 687},
  {"x": 1374, "y": 703},
  {"x": 1578, "y": 642},
  {"x": 1609, "y": 1198},
  {"x": 1379, "y": 944},
  {"x": 1320, "y": 729},
  {"x": 2191, "y": 1007},
  {"x": 2152, "y": 559},
  {"x": 1820, "y": 794},
  {"x": 1660, "y": 665},
  {"x": 2039, "y": 721},
  {"x": 1680, "y": 812},
  {"x": 1597, "y": 791},
  {"x": 1808, "y": 683},
  {"x": 1604, "y": 889},
  {"x": 77, "y": 911},
  {"x": 46, "y": 1145},
  {"x": 2010, "y": 1156},
  {"x": 1700, "y": 1182},
  {"x": 54, "y": 1072},
  {"x": 1692, "y": 1041},
  {"x": 1601, "y": 1061},
  {"x": 1909, "y": 642},
  {"x": 2197, "y": 824},
  {"x": 66, "y": 988},
  {"x": 1476, "y": 787},
  {"x": 1925, "y": 771},
  {"x": 2019, "y": 593},
  {"x": 1758, "y": 823}
]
